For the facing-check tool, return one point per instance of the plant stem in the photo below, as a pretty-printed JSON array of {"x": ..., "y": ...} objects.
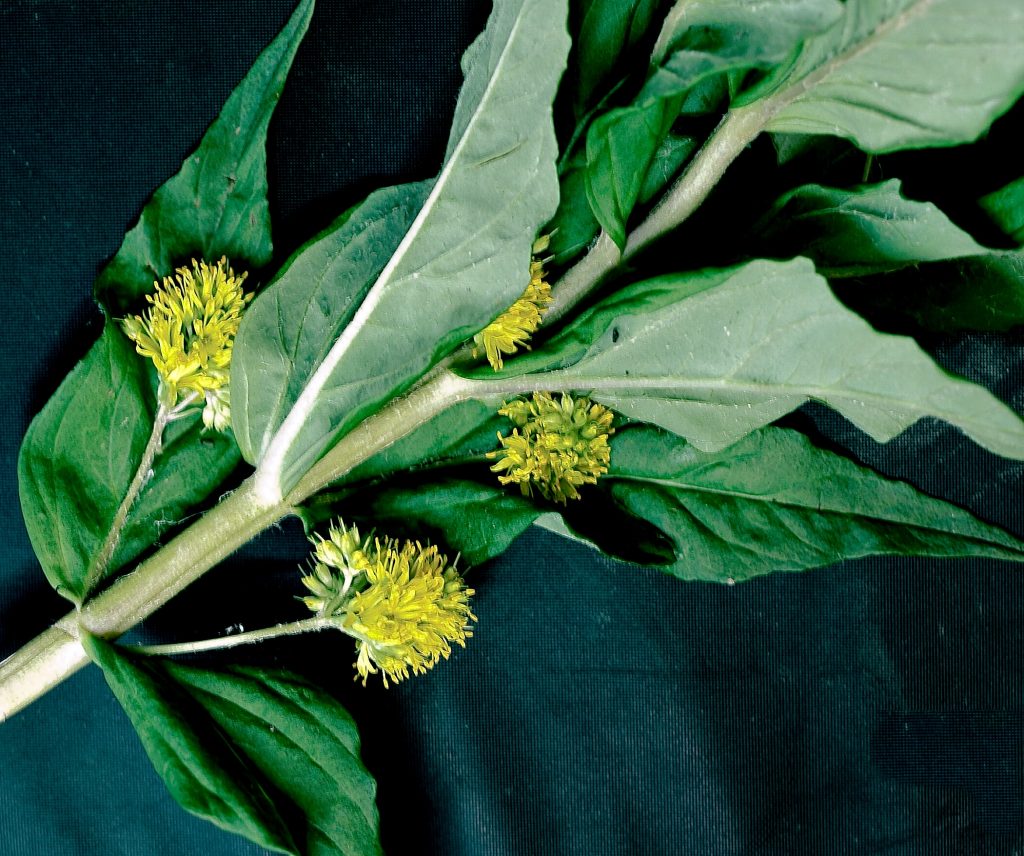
[
  {"x": 57, "y": 653},
  {"x": 292, "y": 628},
  {"x": 98, "y": 566}
]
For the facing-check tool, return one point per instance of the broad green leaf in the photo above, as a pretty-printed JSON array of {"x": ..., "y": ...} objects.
[
  {"x": 464, "y": 258},
  {"x": 290, "y": 329},
  {"x": 608, "y": 31},
  {"x": 774, "y": 502},
  {"x": 984, "y": 292},
  {"x": 705, "y": 48},
  {"x": 217, "y": 204},
  {"x": 1006, "y": 208},
  {"x": 473, "y": 519},
  {"x": 260, "y": 753},
  {"x": 863, "y": 230},
  {"x": 894, "y": 74},
  {"x": 716, "y": 354},
  {"x": 779, "y": 25},
  {"x": 82, "y": 451}
]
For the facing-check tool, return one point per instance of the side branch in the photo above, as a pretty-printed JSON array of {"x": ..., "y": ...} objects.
[{"x": 57, "y": 653}]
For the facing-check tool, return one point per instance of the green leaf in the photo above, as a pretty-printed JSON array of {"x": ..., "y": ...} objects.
[
  {"x": 983, "y": 292},
  {"x": 462, "y": 261},
  {"x": 609, "y": 30},
  {"x": 705, "y": 48},
  {"x": 82, "y": 451},
  {"x": 894, "y": 74},
  {"x": 777, "y": 26},
  {"x": 574, "y": 226},
  {"x": 716, "y": 354},
  {"x": 1006, "y": 208},
  {"x": 290, "y": 329},
  {"x": 863, "y": 230},
  {"x": 774, "y": 502},
  {"x": 217, "y": 204},
  {"x": 905, "y": 266},
  {"x": 260, "y": 753},
  {"x": 477, "y": 521},
  {"x": 621, "y": 146}
]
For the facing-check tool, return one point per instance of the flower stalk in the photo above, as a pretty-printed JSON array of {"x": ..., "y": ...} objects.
[{"x": 291, "y": 628}]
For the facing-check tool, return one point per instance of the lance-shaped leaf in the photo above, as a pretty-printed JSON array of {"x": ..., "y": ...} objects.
[
  {"x": 869, "y": 229},
  {"x": 217, "y": 204},
  {"x": 464, "y": 258},
  {"x": 81, "y": 452},
  {"x": 893, "y": 74},
  {"x": 260, "y": 753},
  {"x": 774, "y": 502},
  {"x": 716, "y": 354}
]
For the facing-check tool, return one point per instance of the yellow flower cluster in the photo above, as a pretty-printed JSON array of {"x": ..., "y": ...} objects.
[
  {"x": 402, "y": 602},
  {"x": 556, "y": 447},
  {"x": 188, "y": 332},
  {"x": 513, "y": 328}
]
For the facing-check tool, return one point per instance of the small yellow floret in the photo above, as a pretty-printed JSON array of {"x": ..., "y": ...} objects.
[
  {"x": 188, "y": 332},
  {"x": 404, "y": 603},
  {"x": 557, "y": 446},
  {"x": 513, "y": 328}
]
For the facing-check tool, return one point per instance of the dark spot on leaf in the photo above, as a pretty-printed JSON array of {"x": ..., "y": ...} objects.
[{"x": 615, "y": 334}]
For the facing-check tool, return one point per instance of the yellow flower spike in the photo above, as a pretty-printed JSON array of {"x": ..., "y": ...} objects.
[
  {"x": 188, "y": 332},
  {"x": 405, "y": 604},
  {"x": 556, "y": 447},
  {"x": 513, "y": 328}
]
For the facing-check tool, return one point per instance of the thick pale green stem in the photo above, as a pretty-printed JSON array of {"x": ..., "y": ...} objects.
[{"x": 57, "y": 653}]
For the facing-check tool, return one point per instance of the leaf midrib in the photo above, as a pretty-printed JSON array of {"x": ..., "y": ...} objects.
[{"x": 273, "y": 462}]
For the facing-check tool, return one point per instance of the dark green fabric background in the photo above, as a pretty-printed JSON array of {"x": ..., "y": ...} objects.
[{"x": 871, "y": 708}]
